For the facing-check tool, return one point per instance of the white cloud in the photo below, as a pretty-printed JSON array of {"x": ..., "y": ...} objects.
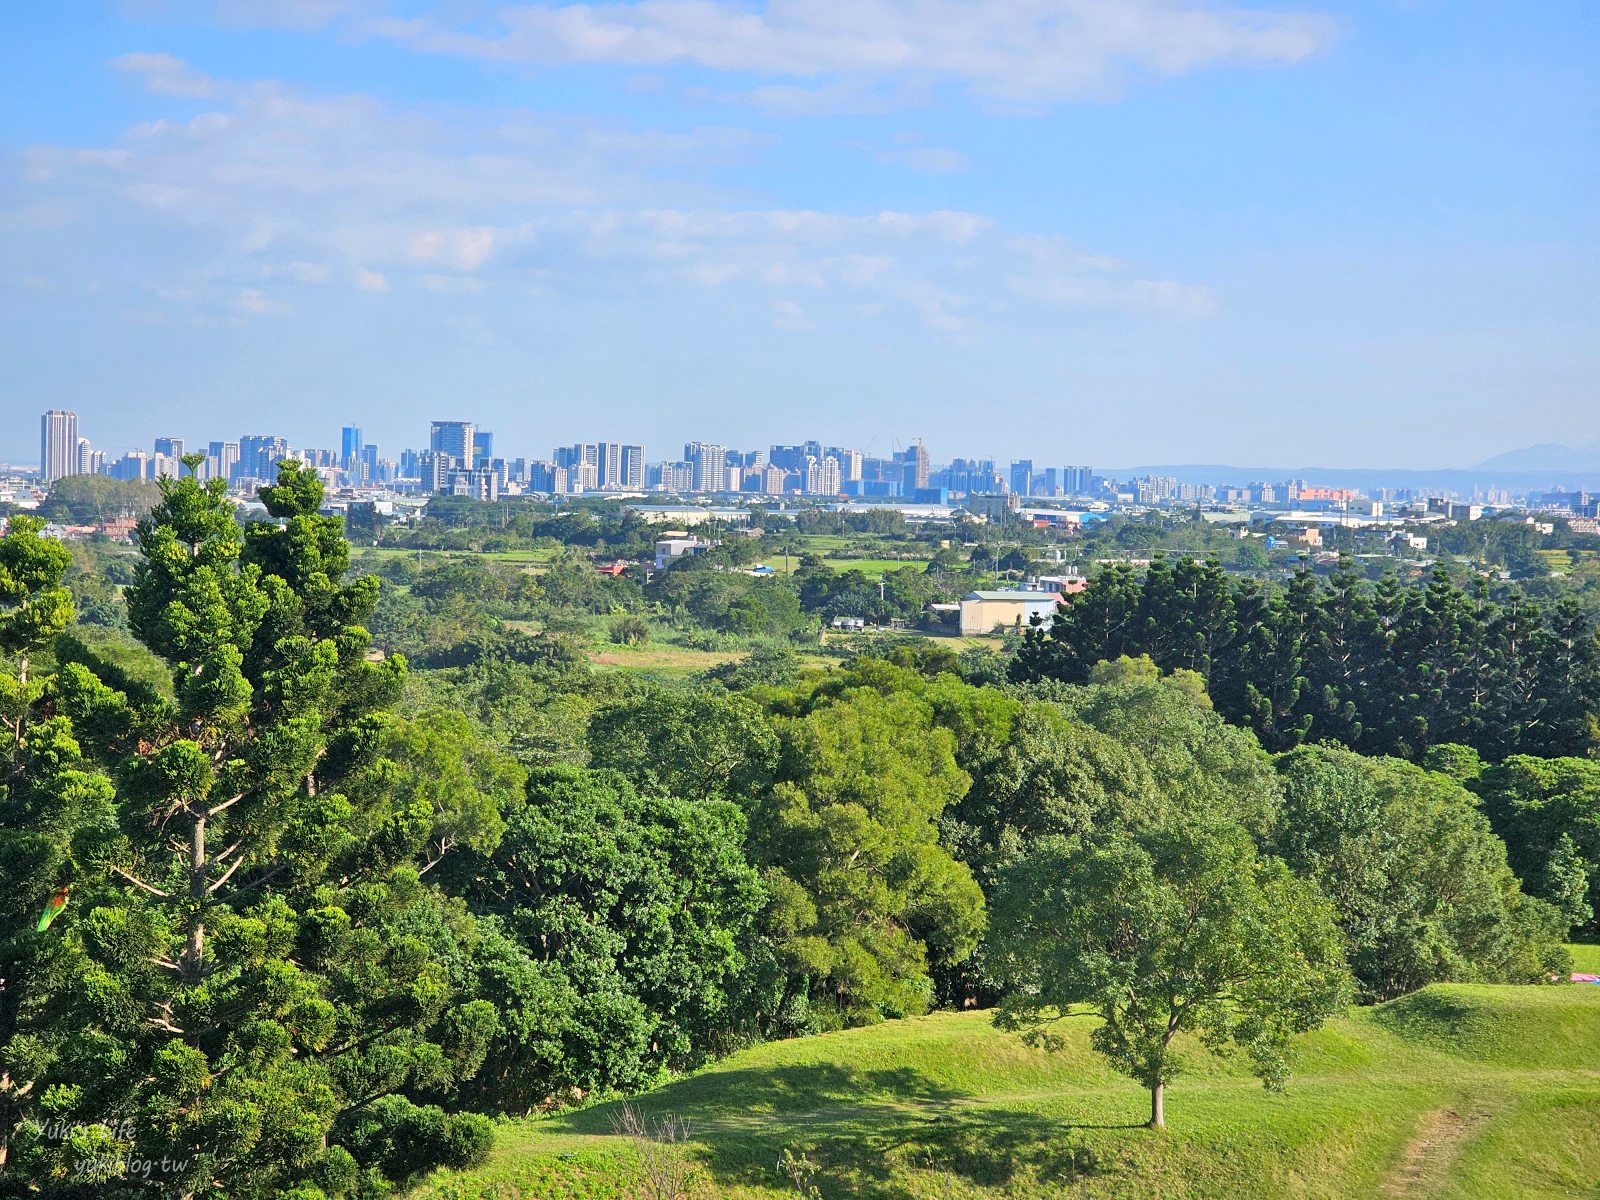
[
  {"x": 1177, "y": 299},
  {"x": 464, "y": 249},
  {"x": 257, "y": 304},
  {"x": 909, "y": 150},
  {"x": 451, "y": 285},
  {"x": 293, "y": 14},
  {"x": 1022, "y": 51},
  {"x": 275, "y": 190},
  {"x": 165, "y": 75},
  {"x": 789, "y": 316}
]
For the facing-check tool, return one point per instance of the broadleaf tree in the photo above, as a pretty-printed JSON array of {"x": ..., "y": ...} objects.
[{"x": 1179, "y": 929}]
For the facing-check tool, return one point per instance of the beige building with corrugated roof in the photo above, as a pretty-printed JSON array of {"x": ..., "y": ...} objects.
[{"x": 984, "y": 612}]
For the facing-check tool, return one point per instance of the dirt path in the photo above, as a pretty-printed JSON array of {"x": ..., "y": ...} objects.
[{"x": 1428, "y": 1155}]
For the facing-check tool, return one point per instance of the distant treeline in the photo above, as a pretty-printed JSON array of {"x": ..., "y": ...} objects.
[{"x": 1384, "y": 668}]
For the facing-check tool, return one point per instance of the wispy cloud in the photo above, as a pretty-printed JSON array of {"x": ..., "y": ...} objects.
[
  {"x": 165, "y": 75},
  {"x": 909, "y": 150},
  {"x": 789, "y": 316},
  {"x": 1024, "y": 51},
  {"x": 272, "y": 189}
]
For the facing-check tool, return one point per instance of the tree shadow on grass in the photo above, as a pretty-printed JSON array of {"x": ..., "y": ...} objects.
[
  {"x": 738, "y": 1098},
  {"x": 868, "y": 1133}
]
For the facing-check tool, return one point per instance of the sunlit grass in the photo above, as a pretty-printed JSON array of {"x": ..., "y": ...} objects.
[{"x": 1457, "y": 1091}]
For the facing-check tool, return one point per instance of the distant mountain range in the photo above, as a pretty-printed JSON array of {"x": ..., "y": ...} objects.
[
  {"x": 1545, "y": 466},
  {"x": 1547, "y": 456}
]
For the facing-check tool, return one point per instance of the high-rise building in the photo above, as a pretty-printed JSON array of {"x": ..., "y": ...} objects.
[
  {"x": 710, "y": 466},
  {"x": 1075, "y": 481},
  {"x": 433, "y": 470},
  {"x": 458, "y": 439},
  {"x": 135, "y": 464},
  {"x": 774, "y": 480},
  {"x": 171, "y": 447},
  {"x": 479, "y": 483},
  {"x": 259, "y": 456},
  {"x": 913, "y": 462},
  {"x": 675, "y": 477},
  {"x": 822, "y": 477},
  {"x": 579, "y": 454},
  {"x": 849, "y": 461},
  {"x": 350, "y": 443},
  {"x": 1022, "y": 477},
  {"x": 632, "y": 467},
  {"x": 584, "y": 463},
  {"x": 618, "y": 465},
  {"x": 222, "y": 459},
  {"x": 58, "y": 444},
  {"x": 84, "y": 459},
  {"x": 540, "y": 476},
  {"x": 790, "y": 458},
  {"x": 610, "y": 464}
]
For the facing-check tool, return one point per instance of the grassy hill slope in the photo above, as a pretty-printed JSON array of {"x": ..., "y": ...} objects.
[{"x": 1455, "y": 1092}]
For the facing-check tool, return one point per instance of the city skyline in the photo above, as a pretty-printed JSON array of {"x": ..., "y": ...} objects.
[
  {"x": 1578, "y": 461},
  {"x": 1351, "y": 231},
  {"x": 462, "y": 459}
]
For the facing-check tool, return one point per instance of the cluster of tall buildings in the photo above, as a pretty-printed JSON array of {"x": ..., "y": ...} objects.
[
  {"x": 1027, "y": 480},
  {"x": 460, "y": 460},
  {"x": 253, "y": 458}
]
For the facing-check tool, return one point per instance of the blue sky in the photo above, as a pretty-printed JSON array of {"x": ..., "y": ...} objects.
[{"x": 1105, "y": 231}]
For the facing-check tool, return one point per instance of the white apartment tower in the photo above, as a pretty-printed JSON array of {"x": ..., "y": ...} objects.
[
  {"x": 58, "y": 444},
  {"x": 710, "y": 466}
]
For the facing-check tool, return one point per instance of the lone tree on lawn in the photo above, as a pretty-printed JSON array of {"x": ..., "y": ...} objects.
[{"x": 1163, "y": 932}]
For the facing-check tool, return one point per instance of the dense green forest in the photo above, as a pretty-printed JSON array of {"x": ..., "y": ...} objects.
[
  {"x": 1382, "y": 668},
  {"x": 360, "y": 854}
]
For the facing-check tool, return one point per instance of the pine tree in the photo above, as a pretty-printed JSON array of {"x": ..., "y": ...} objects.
[
  {"x": 53, "y": 802},
  {"x": 259, "y": 1008},
  {"x": 1345, "y": 650}
]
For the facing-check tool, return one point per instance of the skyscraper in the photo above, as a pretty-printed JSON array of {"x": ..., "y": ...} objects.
[
  {"x": 610, "y": 464},
  {"x": 618, "y": 465},
  {"x": 582, "y": 462},
  {"x": 710, "y": 465},
  {"x": 790, "y": 458},
  {"x": 1022, "y": 477},
  {"x": 222, "y": 459},
  {"x": 260, "y": 454},
  {"x": 349, "y": 445},
  {"x": 632, "y": 468},
  {"x": 455, "y": 438},
  {"x": 135, "y": 464},
  {"x": 58, "y": 444},
  {"x": 849, "y": 461},
  {"x": 913, "y": 462},
  {"x": 822, "y": 476},
  {"x": 170, "y": 446}
]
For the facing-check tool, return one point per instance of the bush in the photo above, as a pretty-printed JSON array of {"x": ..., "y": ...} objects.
[{"x": 630, "y": 631}]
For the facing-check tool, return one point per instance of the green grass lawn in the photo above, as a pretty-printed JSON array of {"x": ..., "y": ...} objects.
[
  {"x": 1456, "y": 1092},
  {"x": 1586, "y": 958}
]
